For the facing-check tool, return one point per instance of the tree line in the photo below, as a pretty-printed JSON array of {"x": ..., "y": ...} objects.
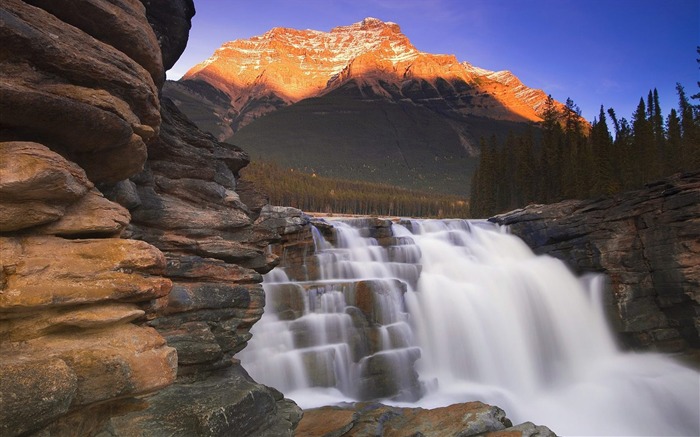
[
  {"x": 312, "y": 193},
  {"x": 568, "y": 158}
]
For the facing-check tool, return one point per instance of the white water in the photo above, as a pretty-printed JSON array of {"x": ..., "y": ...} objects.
[{"x": 492, "y": 322}]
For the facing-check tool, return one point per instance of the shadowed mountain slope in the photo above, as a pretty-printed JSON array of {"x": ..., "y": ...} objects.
[{"x": 359, "y": 101}]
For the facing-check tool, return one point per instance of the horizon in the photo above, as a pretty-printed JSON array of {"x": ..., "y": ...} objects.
[{"x": 499, "y": 35}]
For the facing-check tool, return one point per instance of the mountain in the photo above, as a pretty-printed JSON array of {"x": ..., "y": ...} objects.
[{"x": 358, "y": 102}]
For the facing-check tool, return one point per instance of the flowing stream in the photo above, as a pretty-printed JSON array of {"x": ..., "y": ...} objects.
[{"x": 452, "y": 311}]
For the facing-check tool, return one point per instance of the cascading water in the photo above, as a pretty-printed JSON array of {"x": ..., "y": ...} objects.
[{"x": 454, "y": 311}]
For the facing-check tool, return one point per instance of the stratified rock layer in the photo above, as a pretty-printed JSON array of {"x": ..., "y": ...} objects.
[
  {"x": 647, "y": 242},
  {"x": 78, "y": 90},
  {"x": 79, "y": 284}
]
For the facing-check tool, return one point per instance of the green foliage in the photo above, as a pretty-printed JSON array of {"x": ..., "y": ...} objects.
[
  {"x": 570, "y": 163},
  {"x": 312, "y": 193}
]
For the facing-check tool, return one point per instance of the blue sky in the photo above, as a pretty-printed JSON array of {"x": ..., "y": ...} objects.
[{"x": 609, "y": 52}]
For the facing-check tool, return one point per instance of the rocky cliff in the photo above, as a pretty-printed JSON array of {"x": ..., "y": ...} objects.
[
  {"x": 646, "y": 241},
  {"x": 122, "y": 228}
]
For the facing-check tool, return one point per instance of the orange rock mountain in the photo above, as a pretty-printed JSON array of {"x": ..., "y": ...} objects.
[{"x": 365, "y": 76}]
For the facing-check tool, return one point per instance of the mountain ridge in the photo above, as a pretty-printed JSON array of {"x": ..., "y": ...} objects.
[{"x": 306, "y": 79}]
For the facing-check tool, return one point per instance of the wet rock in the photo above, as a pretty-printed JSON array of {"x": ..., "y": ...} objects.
[
  {"x": 647, "y": 242},
  {"x": 228, "y": 403},
  {"x": 373, "y": 419},
  {"x": 372, "y": 297}
]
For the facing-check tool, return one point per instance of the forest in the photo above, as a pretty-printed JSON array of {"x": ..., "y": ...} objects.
[
  {"x": 569, "y": 158},
  {"x": 312, "y": 193}
]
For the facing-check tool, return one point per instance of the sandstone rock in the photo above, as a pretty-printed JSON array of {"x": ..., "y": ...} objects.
[
  {"x": 92, "y": 216},
  {"x": 30, "y": 171},
  {"x": 76, "y": 94},
  {"x": 54, "y": 320},
  {"x": 36, "y": 185},
  {"x": 81, "y": 79},
  {"x": 209, "y": 270},
  {"x": 78, "y": 271},
  {"x": 373, "y": 419},
  {"x": 646, "y": 241},
  {"x": 122, "y": 25},
  {"x": 121, "y": 361},
  {"x": 284, "y": 219},
  {"x": 32, "y": 394}
]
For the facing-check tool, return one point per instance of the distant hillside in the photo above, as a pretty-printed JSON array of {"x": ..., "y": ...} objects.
[
  {"x": 359, "y": 102},
  {"x": 313, "y": 193}
]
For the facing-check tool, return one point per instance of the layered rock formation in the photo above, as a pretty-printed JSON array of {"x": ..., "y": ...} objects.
[
  {"x": 92, "y": 287},
  {"x": 646, "y": 241},
  {"x": 371, "y": 419},
  {"x": 185, "y": 203},
  {"x": 78, "y": 102}
]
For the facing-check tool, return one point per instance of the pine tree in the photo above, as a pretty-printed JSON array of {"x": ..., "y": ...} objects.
[
  {"x": 690, "y": 130},
  {"x": 550, "y": 154},
  {"x": 674, "y": 150},
  {"x": 644, "y": 166},
  {"x": 602, "y": 147},
  {"x": 622, "y": 150}
]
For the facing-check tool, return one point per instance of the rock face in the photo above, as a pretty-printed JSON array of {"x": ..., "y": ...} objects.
[
  {"x": 128, "y": 263},
  {"x": 372, "y": 419},
  {"x": 98, "y": 106},
  {"x": 646, "y": 241}
]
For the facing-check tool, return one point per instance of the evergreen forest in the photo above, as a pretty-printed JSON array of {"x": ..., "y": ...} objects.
[
  {"x": 568, "y": 158},
  {"x": 312, "y": 193}
]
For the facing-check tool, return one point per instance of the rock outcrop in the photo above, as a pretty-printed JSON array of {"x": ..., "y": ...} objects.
[
  {"x": 372, "y": 419},
  {"x": 647, "y": 242},
  {"x": 129, "y": 265},
  {"x": 185, "y": 204}
]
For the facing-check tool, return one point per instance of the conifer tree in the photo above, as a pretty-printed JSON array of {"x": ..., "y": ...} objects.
[
  {"x": 674, "y": 150},
  {"x": 690, "y": 130},
  {"x": 550, "y": 155},
  {"x": 643, "y": 163},
  {"x": 622, "y": 150},
  {"x": 657, "y": 122},
  {"x": 604, "y": 164}
]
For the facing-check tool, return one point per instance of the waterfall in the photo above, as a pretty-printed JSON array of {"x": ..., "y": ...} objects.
[{"x": 440, "y": 312}]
